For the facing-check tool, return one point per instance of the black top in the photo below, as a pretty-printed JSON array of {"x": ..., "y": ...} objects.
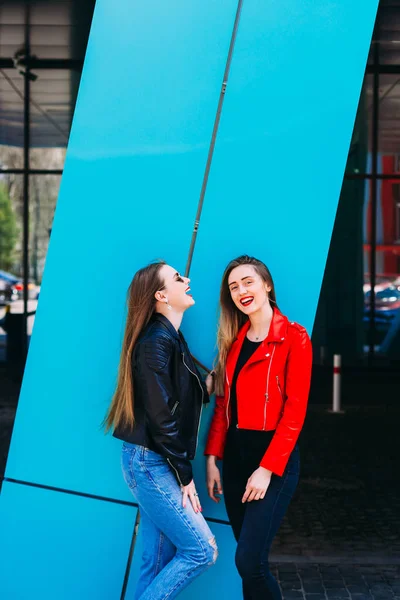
[{"x": 246, "y": 352}]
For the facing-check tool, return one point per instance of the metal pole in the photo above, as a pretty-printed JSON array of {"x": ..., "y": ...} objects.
[
  {"x": 337, "y": 374},
  {"x": 130, "y": 556},
  {"x": 27, "y": 83},
  {"x": 374, "y": 195}
]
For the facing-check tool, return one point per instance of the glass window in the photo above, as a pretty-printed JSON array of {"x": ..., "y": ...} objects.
[{"x": 42, "y": 201}]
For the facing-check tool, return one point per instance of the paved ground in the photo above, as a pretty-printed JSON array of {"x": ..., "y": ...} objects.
[
  {"x": 333, "y": 582},
  {"x": 341, "y": 537},
  {"x": 347, "y": 506}
]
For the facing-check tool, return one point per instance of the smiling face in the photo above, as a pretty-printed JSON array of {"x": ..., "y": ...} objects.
[
  {"x": 176, "y": 289},
  {"x": 248, "y": 290}
]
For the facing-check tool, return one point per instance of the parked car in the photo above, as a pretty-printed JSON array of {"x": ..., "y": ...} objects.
[
  {"x": 12, "y": 288},
  {"x": 387, "y": 300},
  {"x": 387, "y": 306}
]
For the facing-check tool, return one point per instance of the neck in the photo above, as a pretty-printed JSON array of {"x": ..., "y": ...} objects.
[
  {"x": 261, "y": 320},
  {"x": 174, "y": 317}
]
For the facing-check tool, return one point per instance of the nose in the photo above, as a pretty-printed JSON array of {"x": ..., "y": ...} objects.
[
  {"x": 242, "y": 289},
  {"x": 187, "y": 280}
]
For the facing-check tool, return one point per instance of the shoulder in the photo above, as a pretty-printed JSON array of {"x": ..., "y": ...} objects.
[
  {"x": 155, "y": 346},
  {"x": 296, "y": 327},
  {"x": 298, "y": 333}
]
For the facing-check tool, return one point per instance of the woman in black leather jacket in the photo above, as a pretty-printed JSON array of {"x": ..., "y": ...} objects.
[{"x": 156, "y": 411}]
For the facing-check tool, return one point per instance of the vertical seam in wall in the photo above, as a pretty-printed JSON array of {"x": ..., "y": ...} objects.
[{"x": 213, "y": 136}]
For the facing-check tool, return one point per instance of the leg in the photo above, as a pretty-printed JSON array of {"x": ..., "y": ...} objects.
[
  {"x": 261, "y": 523},
  {"x": 233, "y": 486},
  {"x": 159, "y": 497},
  {"x": 158, "y": 551},
  {"x": 234, "y": 483},
  {"x": 157, "y": 548}
]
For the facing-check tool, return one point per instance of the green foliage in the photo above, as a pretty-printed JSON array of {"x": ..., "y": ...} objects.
[{"x": 8, "y": 230}]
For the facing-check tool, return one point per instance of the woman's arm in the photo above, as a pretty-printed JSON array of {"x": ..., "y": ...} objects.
[
  {"x": 218, "y": 430},
  {"x": 215, "y": 448},
  {"x": 298, "y": 378}
]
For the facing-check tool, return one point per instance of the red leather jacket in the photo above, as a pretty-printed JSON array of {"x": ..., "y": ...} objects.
[{"x": 272, "y": 391}]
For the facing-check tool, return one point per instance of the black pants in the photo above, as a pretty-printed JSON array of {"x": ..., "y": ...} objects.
[{"x": 255, "y": 523}]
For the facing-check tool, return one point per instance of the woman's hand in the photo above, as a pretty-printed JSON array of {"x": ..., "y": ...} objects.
[
  {"x": 257, "y": 485},
  {"x": 189, "y": 491},
  {"x": 210, "y": 382},
  {"x": 213, "y": 478}
]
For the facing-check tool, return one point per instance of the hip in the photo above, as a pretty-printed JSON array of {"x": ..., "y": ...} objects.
[{"x": 245, "y": 448}]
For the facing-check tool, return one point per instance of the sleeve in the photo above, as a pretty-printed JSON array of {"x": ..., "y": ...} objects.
[
  {"x": 298, "y": 378},
  {"x": 218, "y": 430},
  {"x": 153, "y": 383}
]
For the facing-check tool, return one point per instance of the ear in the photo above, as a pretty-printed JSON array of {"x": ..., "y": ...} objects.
[
  {"x": 160, "y": 296},
  {"x": 268, "y": 288}
]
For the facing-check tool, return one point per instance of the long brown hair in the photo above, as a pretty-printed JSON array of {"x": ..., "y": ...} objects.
[
  {"x": 141, "y": 305},
  {"x": 231, "y": 319}
]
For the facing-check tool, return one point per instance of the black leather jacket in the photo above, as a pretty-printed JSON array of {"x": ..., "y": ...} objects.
[{"x": 168, "y": 397}]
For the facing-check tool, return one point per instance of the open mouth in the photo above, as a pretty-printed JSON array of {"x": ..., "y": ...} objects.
[
  {"x": 187, "y": 291},
  {"x": 246, "y": 301}
]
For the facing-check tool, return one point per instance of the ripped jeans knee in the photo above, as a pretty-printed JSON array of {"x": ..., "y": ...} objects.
[{"x": 214, "y": 551}]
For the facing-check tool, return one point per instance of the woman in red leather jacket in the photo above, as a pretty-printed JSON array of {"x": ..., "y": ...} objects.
[{"x": 262, "y": 382}]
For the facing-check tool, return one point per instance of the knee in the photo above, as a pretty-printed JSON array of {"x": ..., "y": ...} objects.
[
  {"x": 249, "y": 566},
  {"x": 204, "y": 555},
  {"x": 242, "y": 563},
  {"x": 207, "y": 554},
  {"x": 211, "y": 552}
]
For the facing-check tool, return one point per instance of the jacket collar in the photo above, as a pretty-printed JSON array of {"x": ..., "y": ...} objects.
[
  {"x": 167, "y": 324},
  {"x": 277, "y": 334},
  {"x": 277, "y": 330}
]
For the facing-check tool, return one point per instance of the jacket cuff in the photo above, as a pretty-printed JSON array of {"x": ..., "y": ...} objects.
[
  {"x": 214, "y": 449},
  {"x": 277, "y": 467}
]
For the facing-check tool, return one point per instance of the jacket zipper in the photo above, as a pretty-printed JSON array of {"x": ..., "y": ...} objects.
[
  {"x": 202, "y": 398},
  {"x": 266, "y": 392},
  {"x": 227, "y": 404},
  {"x": 175, "y": 406},
  {"x": 177, "y": 474}
]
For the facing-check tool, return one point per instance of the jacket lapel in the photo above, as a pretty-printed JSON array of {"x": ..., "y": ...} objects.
[{"x": 277, "y": 334}]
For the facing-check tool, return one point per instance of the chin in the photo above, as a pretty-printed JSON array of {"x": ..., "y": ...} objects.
[
  {"x": 190, "y": 302},
  {"x": 247, "y": 311}
]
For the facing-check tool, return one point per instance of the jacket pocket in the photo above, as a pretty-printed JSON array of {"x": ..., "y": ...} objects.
[{"x": 127, "y": 464}]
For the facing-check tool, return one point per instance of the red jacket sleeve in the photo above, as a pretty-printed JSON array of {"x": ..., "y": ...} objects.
[
  {"x": 298, "y": 378},
  {"x": 217, "y": 435}
]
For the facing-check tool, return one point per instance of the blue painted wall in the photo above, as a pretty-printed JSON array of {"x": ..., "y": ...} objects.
[{"x": 129, "y": 193}]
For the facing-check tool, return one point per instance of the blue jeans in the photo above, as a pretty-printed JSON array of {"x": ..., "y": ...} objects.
[
  {"x": 255, "y": 523},
  {"x": 177, "y": 542}
]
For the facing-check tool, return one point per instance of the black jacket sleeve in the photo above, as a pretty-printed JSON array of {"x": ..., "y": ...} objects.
[{"x": 153, "y": 383}]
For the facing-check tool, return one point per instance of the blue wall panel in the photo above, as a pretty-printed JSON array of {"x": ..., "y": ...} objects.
[
  {"x": 129, "y": 193},
  {"x": 133, "y": 174},
  {"x": 56, "y": 545},
  {"x": 281, "y": 149}
]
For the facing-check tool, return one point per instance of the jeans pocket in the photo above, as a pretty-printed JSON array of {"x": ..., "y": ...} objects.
[
  {"x": 155, "y": 465},
  {"x": 127, "y": 465}
]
